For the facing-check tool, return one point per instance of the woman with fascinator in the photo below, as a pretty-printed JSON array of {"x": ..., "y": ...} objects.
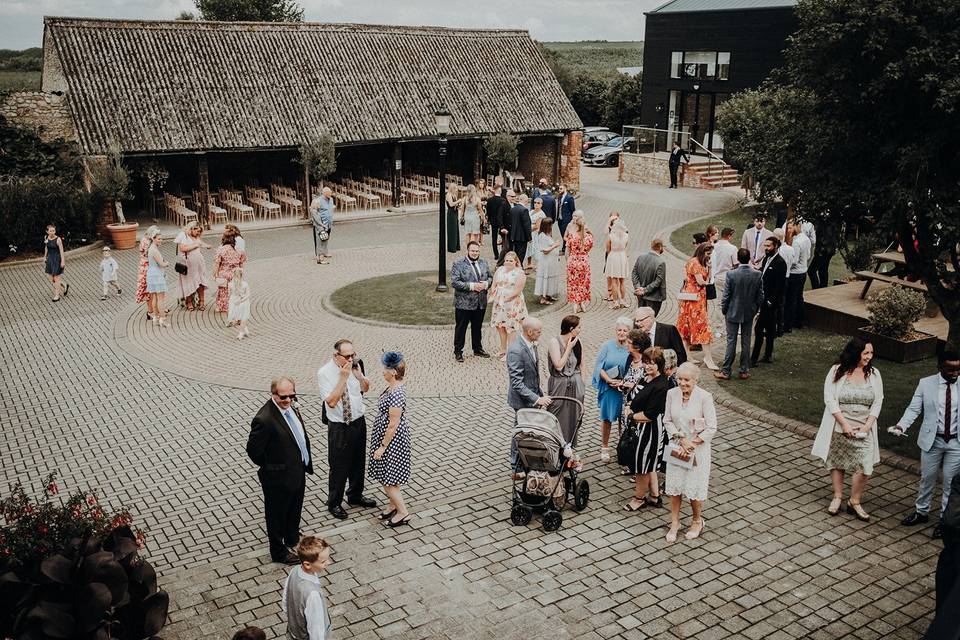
[{"x": 390, "y": 441}]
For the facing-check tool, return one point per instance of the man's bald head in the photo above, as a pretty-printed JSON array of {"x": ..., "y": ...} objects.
[
  {"x": 643, "y": 318},
  {"x": 532, "y": 327}
]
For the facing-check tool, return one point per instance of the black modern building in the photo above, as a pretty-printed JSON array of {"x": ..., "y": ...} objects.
[{"x": 697, "y": 53}]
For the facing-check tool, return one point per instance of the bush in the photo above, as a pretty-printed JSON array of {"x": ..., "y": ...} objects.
[
  {"x": 502, "y": 150},
  {"x": 856, "y": 254},
  {"x": 894, "y": 310},
  {"x": 319, "y": 156},
  {"x": 29, "y": 204}
]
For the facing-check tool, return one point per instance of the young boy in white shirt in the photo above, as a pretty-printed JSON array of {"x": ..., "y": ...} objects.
[
  {"x": 303, "y": 599},
  {"x": 108, "y": 273}
]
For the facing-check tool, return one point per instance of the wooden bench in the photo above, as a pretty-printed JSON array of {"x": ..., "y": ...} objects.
[{"x": 870, "y": 276}]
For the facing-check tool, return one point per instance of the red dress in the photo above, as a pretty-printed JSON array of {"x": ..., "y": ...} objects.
[
  {"x": 226, "y": 260},
  {"x": 142, "y": 271},
  {"x": 578, "y": 267},
  {"x": 693, "y": 322}
]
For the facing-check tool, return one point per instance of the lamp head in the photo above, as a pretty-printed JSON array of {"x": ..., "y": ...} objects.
[{"x": 442, "y": 120}]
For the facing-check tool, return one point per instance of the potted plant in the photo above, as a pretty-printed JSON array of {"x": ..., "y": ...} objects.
[
  {"x": 111, "y": 180},
  {"x": 501, "y": 149},
  {"x": 892, "y": 314}
]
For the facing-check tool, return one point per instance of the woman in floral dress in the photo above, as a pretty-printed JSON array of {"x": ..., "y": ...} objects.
[
  {"x": 693, "y": 322},
  {"x": 579, "y": 243},
  {"x": 142, "y": 295},
  {"x": 224, "y": 262},
  {"x": 508, "y": 306}
]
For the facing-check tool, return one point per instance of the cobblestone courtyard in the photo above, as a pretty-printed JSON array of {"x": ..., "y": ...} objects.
[{"x": 158, "y": 419}]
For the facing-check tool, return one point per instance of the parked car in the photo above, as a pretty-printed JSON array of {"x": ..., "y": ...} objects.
[
  {"x": 593, "y": 139},
  {"x": 608, "y": 155}
]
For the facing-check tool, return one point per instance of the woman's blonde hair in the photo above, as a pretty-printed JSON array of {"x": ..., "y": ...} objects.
[
  {"x": 187, "y": 228},
  {"x": 512, "y": 254},
  {"x": 238, "y": 274},
  {"x": 578, "y": 221}
]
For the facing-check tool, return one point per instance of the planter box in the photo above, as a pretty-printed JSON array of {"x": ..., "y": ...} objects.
[
  {"x": 123, "y": 236},
  {"x": 897, "y": 350}
]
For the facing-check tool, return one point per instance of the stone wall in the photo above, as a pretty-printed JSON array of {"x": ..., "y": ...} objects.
[
  {"x": 46, "y": 114},
  {"x": 570, "y": 159},
  {"x": 651, "y": 170},
  {"x": 536, "y": 159}
]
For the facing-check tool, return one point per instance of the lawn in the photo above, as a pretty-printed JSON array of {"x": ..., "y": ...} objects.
[
  {"x": 600, "y": 58},
  {"x": 409, "y": 298},
  {"x": 19, "y": 81},
  {"x": 738, "y": 219},
  {"x": 792, "y": 386}
]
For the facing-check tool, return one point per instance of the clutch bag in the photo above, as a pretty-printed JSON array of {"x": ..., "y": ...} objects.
[
  {"x": 613, "y": 372},
  {"x": 671, "y": 454},
  {"x": 689, "y": 297}
]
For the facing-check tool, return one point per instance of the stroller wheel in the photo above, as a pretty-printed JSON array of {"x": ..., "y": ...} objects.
[
  {"x": 521, "y": 515},
  {"x": 581, "y": 496},
  {"x": 552, "y": 520}
]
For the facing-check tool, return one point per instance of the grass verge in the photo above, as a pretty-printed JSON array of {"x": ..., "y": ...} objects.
[
  {"x": 792, "y": 386},
  {"x": 409, "y": 298},
  {"x": 20, "y": 80}
]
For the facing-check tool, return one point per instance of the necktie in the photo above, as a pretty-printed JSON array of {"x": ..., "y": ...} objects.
[
  {"x": 947, "y": 415},
  {"x": 298, "y": 436},
  {"x": 476, "y": 269},
  {"x": 756, "y": 244},
  {"x": 345, "y": 400}
]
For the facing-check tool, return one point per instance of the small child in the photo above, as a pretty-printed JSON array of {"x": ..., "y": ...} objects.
[
  {"x": 303, "y": 601},
  {"x": 108, "y": 273},
  {"x": 239, "y": 303}
]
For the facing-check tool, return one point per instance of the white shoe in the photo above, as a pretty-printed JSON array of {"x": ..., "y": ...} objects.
[
  {"x": 605, "y": 454},
  {"x": 693, "y": 535},
  {"x": 672, "y": 535}
]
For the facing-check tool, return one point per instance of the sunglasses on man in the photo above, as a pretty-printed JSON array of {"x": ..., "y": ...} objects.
[{"x": 291, "y": 396}]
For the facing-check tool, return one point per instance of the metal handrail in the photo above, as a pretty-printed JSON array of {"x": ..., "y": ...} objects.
[{"x": 709, "y": 153}]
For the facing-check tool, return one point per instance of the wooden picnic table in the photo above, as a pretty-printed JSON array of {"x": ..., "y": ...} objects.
[{"x": 880, "y": 259}]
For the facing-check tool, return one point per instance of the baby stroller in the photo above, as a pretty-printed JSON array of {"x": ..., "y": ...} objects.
[{"x": 550, "y": 469}]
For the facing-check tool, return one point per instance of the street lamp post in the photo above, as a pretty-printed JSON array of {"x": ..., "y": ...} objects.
[{"x": 442, "y": 119}]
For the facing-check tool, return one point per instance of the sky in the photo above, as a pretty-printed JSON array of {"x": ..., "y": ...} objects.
[{"x": 21, "y": 21}]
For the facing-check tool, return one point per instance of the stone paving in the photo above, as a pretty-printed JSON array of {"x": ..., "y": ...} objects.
[{"x": 158, "y": 420}]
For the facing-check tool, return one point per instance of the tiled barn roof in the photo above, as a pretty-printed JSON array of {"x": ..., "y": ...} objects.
[{"x": 184, "y": 85}]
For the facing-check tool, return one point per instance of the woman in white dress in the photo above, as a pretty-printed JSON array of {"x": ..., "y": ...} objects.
[
  {"x": 536, "y": 218},
  {"x": 239, "y": 310},
  {"x": 472, "y": 215},
  {"x": 616, "y": 266},
  {"x": 548, "y": 263},
  {"x": 690, "y": 420}
]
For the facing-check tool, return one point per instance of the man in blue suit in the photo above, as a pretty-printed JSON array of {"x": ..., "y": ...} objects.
[
  {"x": 523, "y": 367},
  {"x": 566, "y": 205},
  {"x": 937, "y": 396},
  {"x": 742, "y": 296}
]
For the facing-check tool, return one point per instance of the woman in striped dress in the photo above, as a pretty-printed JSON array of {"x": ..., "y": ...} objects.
[{"x": 646, "y": 412}]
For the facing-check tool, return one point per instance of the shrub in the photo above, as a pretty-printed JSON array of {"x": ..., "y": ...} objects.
[
  {"x": 319, "y": 156},
  {"x": 856, "y": 254},
  {"x": 502, "y": 150},
  {"x": 894, "y": 310},
  {"x": 29, "y": 204}
]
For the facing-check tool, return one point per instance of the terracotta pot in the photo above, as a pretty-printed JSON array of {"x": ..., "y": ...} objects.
[
  {"x": 123, "y": 236},
  {"x": 897, "y": 350}
]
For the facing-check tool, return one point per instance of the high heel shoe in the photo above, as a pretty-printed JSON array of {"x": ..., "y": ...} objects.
[
  {"x": 857, "y": 510},
  {"x": 693, "y": 535},
  {"x": 711, "y": 365},
  {"x": 387, "y": 516}
]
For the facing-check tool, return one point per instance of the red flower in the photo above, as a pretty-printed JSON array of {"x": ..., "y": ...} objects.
[
  {"x": 91, "y": 500},
  {"x": 98, "y": 513},
  {"x": 52, "y": 489}
]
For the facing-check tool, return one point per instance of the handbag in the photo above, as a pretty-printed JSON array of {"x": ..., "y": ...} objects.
[
  {"x": 484, "y": 228},
  {"x": 671, "y": 454},
  {"x": 323, "y": 233},
  {"x": 711, "y": 292},
  {"x": 627, "y": 447},
  {"x": 689, "y": 297},
  {"x": 181, "y": 268}
]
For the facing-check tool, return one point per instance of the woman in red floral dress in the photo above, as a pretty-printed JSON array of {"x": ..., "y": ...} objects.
[
  {"x": 225, "y": 261},
  {"x": 579, "y": 243},
  {"x": 693, "y": 322},
  {"x": 142, "y": 270}
]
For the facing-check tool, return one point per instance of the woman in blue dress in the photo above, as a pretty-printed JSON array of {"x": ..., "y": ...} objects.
[
  {"x": 53, "y": 261},
  {"x": 157, "y": 280},
  {"x": 607, "y": 376},
  {"x": 389, "y": 462}
]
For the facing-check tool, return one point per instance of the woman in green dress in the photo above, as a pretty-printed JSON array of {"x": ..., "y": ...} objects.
[{"x": 453, "y": 218}]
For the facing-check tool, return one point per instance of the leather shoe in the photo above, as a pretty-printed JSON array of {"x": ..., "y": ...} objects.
[
  {"x": 338, "y": 512},
  {"x": 364, "y": 501},
  {"x": 288, "y": 559},
  {"x": 458, "y": 356},
  {"x": 744, "y": 376},
  {"x": 481, "y": 354},
  {"x": 720, "y": 375},
  {"x": 937, "y": 532},
  {"x": 915, "y": 518}
]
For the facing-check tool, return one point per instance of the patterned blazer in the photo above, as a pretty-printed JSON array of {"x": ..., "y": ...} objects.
[{"x": 462, "y": 276}]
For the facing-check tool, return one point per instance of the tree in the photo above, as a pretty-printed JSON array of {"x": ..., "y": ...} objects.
[
  {"x": 622, "y": 102},
  {"x": 250, "y": 10},
  {"x": 186, "y": 15},
  {"x": 502, "y": 150},
  {"x": 862, "y": 126},
  {"x": 318, "y": 155}
]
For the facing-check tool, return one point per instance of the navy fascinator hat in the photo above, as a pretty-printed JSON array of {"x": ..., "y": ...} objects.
[{"x": 391, "y": 359}]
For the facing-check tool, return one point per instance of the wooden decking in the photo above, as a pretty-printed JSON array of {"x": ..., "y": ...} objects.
[{"x": 839, "y": 309}]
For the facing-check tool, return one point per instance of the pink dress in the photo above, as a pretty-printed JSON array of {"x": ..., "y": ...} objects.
[
  {"x": 578, "y": 267},
  {"x": 226, "y": 260}
]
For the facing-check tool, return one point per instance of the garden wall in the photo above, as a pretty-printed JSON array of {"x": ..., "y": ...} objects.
[
  {"x": 650, "y": 170},
  {"x": 45, "y": 114}
]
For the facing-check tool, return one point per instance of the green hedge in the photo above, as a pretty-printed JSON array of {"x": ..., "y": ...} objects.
[{"x": 29, "y": 203}]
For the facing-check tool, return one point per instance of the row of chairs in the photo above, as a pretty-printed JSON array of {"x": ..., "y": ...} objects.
[{"x": 176, "y": 209}]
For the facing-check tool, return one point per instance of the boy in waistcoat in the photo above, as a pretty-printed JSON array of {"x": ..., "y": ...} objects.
[{"x": 303, "y": 599}]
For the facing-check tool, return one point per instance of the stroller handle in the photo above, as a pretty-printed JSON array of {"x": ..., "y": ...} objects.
[{"x": 580, "y": 409}]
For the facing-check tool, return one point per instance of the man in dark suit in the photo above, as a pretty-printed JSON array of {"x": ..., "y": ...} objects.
[
  {"x": 676, "y": 156},
  {"x": 773, "y": 275},
  {"x": 661, "y": 334},
  {"x": 742, "y": 296},
  {"x": 546, "y": 197},
  {"x": 471, "y": 279},
  {"x": 279, "y": 445},
  {"x": 523, "y": 370},
  {"x": 566, "y": 205},
  {"x": 520, "y": 231},
  {"x": 649, "y": 277},
  {"x": 498, "y": 215}
]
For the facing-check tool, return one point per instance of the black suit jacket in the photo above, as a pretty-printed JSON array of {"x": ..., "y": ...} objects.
[
  {"x": 667, "y": 337},
  {"x": 774, "y": 280},
  {"x": 520, "y": 230},
  {"x": 497, "y": 211},
  {"x": 273, "y": 448},
  {"x": 677, "y": 155}
]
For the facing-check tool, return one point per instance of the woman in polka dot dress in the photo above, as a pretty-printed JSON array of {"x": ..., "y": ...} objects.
[{"x": 390, "y": 441}]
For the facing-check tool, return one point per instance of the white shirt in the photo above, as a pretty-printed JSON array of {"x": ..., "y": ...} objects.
[
  {"x": 724, "y": 257},
  {"x": 653, "y": 332},
  {"x": 801, "y": 246},
  {"x": 108, "y": 269},
  {"x": 942, "y": 405},
  {"x": 294, "y": 422},
  {"x": 789, "y": 256},
  {"x": 533, "y": 349},
  {"x": 807, "y": 229},
  {"x": 329, "y": 377},
  {"x": 313, "y": 612}
]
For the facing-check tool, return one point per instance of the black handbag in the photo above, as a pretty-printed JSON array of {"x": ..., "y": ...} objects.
[
  {"x": 181, "y": 268},
  {"x": 711, "y": 291},
  {"x": 627, "y": 447}
]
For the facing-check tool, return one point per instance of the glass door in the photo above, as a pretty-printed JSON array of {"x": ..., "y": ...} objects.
[{"x": 696, "y": 113}]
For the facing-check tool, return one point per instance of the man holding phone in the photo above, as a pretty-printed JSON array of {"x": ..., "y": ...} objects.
[{"x": 342, "y": 385}]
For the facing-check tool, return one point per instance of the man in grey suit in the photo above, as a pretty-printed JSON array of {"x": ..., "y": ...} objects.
[
  {"x": 650, "y": 277},
  {"x": 742, "y": 296},
  {"x": 471, "y": 279},
  {"x": 937, "y": 396},
  {"x": 523, "y": 367}
]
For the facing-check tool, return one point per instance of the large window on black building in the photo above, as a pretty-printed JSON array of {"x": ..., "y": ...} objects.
[{"x": 700, "y": 65}]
